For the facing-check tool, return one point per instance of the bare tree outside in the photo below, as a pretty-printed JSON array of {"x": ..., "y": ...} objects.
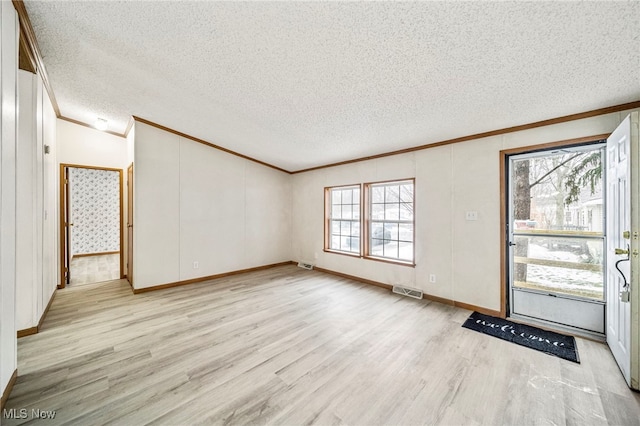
[{"x": 555, "y": 184}]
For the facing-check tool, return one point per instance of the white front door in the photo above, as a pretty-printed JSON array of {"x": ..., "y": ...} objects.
[{"x": 619, "y": 246}]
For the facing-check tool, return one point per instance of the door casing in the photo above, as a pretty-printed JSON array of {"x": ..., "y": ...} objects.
[
  {"x": 504, "y": 204},
  {"x": 130, "y": 224},
  {"x": 564, "y": 312},
  {"x": 63, "y": 215}
]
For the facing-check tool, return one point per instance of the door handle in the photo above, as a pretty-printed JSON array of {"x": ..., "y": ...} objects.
[
  {"x": 624, "y": 293},
  {"x": 511, "y": 244}
]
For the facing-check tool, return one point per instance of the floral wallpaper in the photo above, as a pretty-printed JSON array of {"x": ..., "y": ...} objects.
[{"x": 95, "y": 210}]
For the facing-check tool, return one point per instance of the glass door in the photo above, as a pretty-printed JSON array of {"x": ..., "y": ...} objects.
[{"x": 556, "y": 237}]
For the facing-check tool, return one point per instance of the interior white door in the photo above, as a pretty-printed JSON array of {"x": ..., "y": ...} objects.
[{"x": 618, "y": 225}]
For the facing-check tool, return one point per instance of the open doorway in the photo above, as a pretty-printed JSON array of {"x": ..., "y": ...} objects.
[
  {"x": 553, "y": 224},
  {"x": 569, "y": 219},
  {"x": 556, "y": 237},
  {"x": 91, "y": 218}
]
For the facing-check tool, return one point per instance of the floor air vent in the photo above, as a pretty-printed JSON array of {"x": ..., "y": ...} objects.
[
  {"x": 406, "y": 291},
  {"x": 305, "y": 265}
]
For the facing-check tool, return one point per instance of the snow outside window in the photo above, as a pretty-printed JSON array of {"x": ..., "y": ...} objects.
[
  {"x": 391, "y": 220},
  {"x": 344, "y": 219}
]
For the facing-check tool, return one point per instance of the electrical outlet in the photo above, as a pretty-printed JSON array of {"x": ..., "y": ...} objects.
[
  {"x": 196, "y": 265},
  {"x": 432, "y": 278},
  {"x": 471, "y": 215}
]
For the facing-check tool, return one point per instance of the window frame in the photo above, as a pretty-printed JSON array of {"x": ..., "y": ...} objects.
[
  {"x": 328, "y": 218},
  {"x": 366, "y": 193}
]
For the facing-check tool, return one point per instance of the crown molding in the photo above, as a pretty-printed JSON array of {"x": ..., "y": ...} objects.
[
  {"x": 34, "y": 55},
  {"x": 26, "y": 58},
  {"x": 549, "y": 122},
  {"x": 31, "y": 46}
]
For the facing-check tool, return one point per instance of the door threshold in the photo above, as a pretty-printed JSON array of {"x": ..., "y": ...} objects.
[{"x": 558, "y": 328}]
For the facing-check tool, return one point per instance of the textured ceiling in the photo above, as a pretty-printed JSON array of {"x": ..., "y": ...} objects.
[{"x": 304, "y": 84}]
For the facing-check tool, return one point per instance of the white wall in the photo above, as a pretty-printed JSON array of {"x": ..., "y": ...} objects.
[
  {"x": 50, "y": 264},
  {"x": 131, "y": 137},
  {"x": 36, "y": 265},
  {"x": 85, "y": 146},
  {"x": 195, "y": 203},
  {"x": 8, "y": 130},
  {"x": 156, "y": 241},
  {"x": 450, "y": 180},
  {"x": 27, "y": 242}
]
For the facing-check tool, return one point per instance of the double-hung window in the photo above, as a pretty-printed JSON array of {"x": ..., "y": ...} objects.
[
  {"x": 386, "y": 229},
  {"x": 390, "y": 218},
  {"x": 343, "y": 219}
]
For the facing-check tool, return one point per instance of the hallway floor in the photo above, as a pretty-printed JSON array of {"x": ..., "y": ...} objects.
[{"x": 95, "y": 269}]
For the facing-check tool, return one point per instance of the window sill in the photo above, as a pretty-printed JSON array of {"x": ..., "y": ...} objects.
[
  {"x": 377, "y": 259},
  {"x": 344, "y": 253},
  {"x": 392, "y": 261}
]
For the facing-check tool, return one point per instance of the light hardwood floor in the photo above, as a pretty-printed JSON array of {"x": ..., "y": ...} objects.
[
  {"x": 290, "y": 346},
  {"x": 93, "y": 269}
]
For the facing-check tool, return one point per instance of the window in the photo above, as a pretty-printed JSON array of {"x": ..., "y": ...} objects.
[
  {"x": 390, "y": 221},
  {"x": 387, "y": 233},
  {"x": 343, "y": 219}
]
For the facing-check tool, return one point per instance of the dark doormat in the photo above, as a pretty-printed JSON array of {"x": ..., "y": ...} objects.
[{"x": 548, "y": 342}]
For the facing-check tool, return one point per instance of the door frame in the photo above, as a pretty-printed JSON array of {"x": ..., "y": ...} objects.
[
  {"x": 130, "y": 235},
  {"x": 634, "y": 153},
  {"x": 504, "y": 203},
  {"x": 63, "y": 206}
]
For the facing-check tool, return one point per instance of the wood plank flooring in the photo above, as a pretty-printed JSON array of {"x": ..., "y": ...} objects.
[{"x": 290, "y": 346}]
